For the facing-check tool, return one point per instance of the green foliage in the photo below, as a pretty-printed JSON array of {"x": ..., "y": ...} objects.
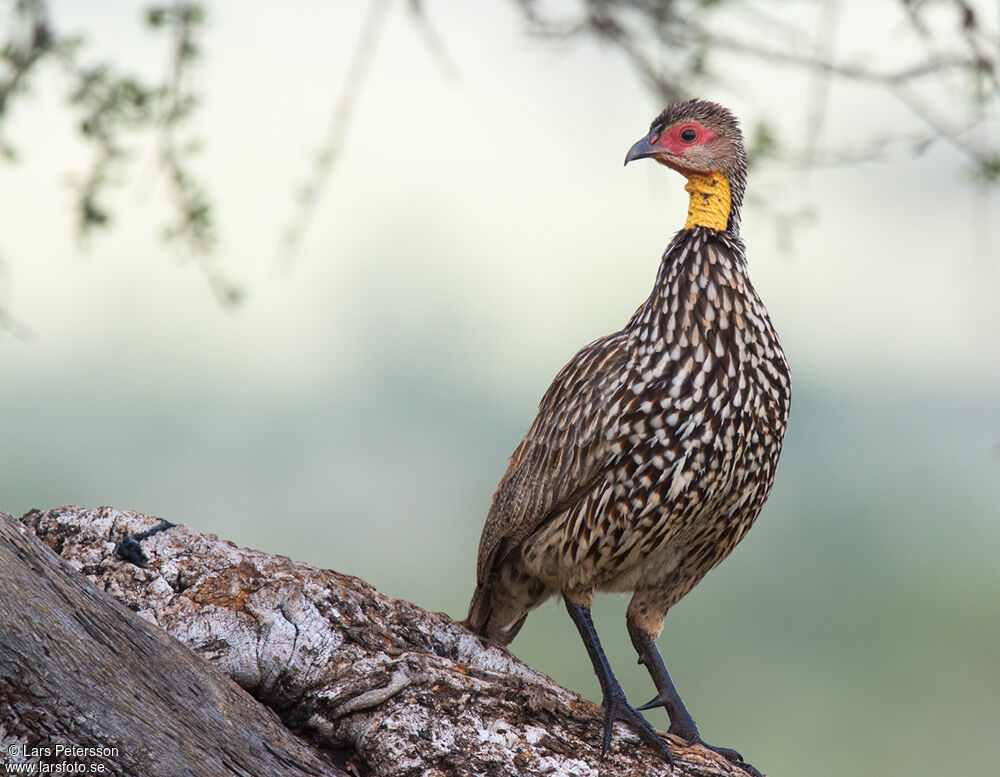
[
  {"x": 762, "y": 144},
  {"x": 114, "y": 109},
  {"x": 109, "y": 104},
  {"x": 20, "y": 55},
  {"x": 987, "y": 169},
  {"x": 157, "y": 16}
]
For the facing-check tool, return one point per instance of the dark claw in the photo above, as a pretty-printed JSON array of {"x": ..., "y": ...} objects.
[
  {"x": 657, "y": 701},
  {"x": 730, "y": 755},
  {"x": 619, "y": 709},
  {"x": 609, "y": 723},
  {"x": 748, "y": 768},
  {"x": 131, "y": 551}
]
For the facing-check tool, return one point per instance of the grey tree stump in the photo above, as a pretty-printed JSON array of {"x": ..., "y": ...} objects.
[{"x": 373, "y": 685}]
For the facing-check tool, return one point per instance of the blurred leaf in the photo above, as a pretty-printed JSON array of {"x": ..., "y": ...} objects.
[
  {"x": 763, "y": 144},
  {"x": 987, "y": 170},
  {"x": 157, "y": 16},
  {"x": 92, "y": 215}
]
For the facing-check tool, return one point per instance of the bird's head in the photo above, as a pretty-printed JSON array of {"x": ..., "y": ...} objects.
[
  {"x": 702, "y": 141},
  {"x": 693, "y": 137}
]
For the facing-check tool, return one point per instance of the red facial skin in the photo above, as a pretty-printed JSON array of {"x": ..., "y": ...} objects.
[{"x": 672, "y": 142}]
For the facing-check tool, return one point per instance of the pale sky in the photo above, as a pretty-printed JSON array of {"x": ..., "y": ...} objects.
[{"x": 493, "y": 212}]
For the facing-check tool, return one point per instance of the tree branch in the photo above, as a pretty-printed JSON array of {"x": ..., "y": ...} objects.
[{"x": 384, "y": 686}]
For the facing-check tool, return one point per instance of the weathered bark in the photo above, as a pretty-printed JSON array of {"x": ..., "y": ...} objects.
[
  {"x": 384, "y": 687},
  {"x": 78, "y": 669}
]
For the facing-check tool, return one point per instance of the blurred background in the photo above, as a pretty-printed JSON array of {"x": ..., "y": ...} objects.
[{"x": 418, "y": 213}]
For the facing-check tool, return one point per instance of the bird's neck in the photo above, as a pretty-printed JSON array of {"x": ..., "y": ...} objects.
[
  {"x": 702, "y": 274},
  {"x": 711, "y": 201}
]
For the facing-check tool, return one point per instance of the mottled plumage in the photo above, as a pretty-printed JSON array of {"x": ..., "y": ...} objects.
[{"x": 655, "y": 448}]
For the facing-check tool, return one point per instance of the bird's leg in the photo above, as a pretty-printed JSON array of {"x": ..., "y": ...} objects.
[
  {"x": 131, "y": 551},
  {"x": 681, "y": 722},
  {"x": 616, "y": 707}
]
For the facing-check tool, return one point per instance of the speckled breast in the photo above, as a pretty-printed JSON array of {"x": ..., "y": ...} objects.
[{"x": 694, "y": 430}]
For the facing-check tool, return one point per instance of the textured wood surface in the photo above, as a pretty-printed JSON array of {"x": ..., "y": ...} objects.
[
  {"x": 377, "y": 684},
  {"x": 77, "y": 669}
]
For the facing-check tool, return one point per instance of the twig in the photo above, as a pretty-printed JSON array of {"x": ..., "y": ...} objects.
[
  {"x": 433, "y": 41},
  {"x": 339, "y": 125}
]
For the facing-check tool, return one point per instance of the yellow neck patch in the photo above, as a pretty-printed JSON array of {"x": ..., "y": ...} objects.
[{"x": 710, "y": 201}]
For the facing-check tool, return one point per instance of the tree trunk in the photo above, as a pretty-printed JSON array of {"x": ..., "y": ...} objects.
[{"x": 376, "y": 684}]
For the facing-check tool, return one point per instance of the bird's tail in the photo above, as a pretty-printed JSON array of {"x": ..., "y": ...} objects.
[{"x": 490, "y": 618}]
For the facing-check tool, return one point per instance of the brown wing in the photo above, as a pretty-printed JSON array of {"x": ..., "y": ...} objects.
[{"x": 563, "y": 454}]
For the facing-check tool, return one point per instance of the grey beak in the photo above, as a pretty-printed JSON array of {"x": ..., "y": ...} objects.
[{"x": 642, "y": 149}]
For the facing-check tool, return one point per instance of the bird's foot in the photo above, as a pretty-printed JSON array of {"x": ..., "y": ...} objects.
[
  {"x": 131, "y": 551},
  {"x": 617, "y": 708},
  {"x": 690, "y": 734},
  {"x": 733, "y": 756}
]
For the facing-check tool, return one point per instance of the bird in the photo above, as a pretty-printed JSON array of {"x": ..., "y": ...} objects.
[{"x": 655, "y": 447}]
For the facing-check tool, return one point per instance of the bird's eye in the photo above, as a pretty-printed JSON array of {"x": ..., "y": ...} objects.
[{"x": 688, "y": 135}]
